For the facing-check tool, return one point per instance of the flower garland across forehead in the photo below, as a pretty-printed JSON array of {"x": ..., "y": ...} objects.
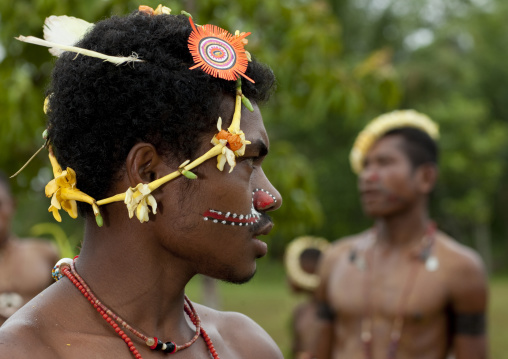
[
  {"x": 383, "y": 124},
  {"x": 217, "y": 52}
]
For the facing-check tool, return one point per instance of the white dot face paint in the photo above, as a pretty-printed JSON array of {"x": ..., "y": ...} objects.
[
  {"x": 232, "y": 219},
  {"x": 238, "y": 219}
]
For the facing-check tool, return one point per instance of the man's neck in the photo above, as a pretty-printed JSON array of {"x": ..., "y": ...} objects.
[
  {"x": 4, "y": 242},
  {"x": 404, "y": 228},
  {"x": 127, "y": 270}
]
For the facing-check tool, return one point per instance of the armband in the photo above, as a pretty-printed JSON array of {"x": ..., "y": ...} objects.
[
  {"x": 325, "y": 312},
  {"x": 469, "y": 323}
]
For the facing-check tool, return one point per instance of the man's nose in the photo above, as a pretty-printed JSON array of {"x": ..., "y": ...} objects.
[
  {"x": 369, "y": 174},
  {"x": 263, "y": 200}
]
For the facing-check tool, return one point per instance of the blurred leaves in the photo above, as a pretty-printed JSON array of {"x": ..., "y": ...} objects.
[
  {"x": 339, "y": 63},
  {"x": 311, "y": 118}
]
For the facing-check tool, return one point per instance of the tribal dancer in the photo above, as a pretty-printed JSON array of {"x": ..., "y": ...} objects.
[
  {"x": 402, "y": 289},
  {"x": 301, "y": 260},
  {"x": 155, "y": 136}
]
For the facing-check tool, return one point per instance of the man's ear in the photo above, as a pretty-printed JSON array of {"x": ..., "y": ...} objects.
[
  {"x": 428, "y": 177},
  {"x": 142, "y": 164}
]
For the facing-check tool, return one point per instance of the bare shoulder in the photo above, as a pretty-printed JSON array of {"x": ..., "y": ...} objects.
[
  {"x": 460, "y": 259},
  {"x": 341, "y": 248},
  {"x": 465, "y": 275},
  {"x": 42, "y": 327},
  {"x": 238, "y": 335},
  {"x": 20, "y": 337}
]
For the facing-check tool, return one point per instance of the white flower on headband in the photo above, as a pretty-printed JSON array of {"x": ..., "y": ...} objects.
[
  {"x": 138, "y": 199},
  {"x": 233, "y": 142}
]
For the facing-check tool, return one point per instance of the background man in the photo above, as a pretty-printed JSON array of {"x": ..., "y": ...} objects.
[
  {"x": 301, "y": 260},
  {"x": 25, "y": 264},
  {"x": 123, "y": 135},
  {"x": 402, "y": 289}
]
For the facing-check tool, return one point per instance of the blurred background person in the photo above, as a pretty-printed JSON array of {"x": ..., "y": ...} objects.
[
  {"x": 402, "y": 289},
  {"x": 301, "y": 262},
  {"x": 25, "y": 263}
]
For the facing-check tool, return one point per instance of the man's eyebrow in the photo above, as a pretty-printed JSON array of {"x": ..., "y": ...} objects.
[{"x": 258, "y": 147}]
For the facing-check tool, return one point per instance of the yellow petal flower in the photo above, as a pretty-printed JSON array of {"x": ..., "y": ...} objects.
[
  {"x": 55, "y": 200},
  {"x": 138, "y": 199},
  {"x": 51, "y": 188},
  {"x": 162, "y": 10},
  {"x": 221, "y": 161},
  {"x": 70, "y": 207},
  {"x": 152, "y": 202},
  {"x": 56, "y": 214},
  {"x": 142, "y": 211},
  {"x": 55, "y": 206},
  {"x": 131, "y": 205},
  {"x": 64, "y": 191},
  {"x": 226, "y": 156},
  {"x": 57, "y": 170}
]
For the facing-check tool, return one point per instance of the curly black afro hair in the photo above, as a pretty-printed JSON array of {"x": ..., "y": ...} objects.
[{"x": 98, "y": 111}]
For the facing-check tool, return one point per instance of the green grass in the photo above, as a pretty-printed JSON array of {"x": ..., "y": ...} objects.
[
  {"x": 268, "y": 300},
  {"x": 498, "y": 318}
]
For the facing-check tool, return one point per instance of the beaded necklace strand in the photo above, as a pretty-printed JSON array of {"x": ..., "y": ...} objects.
[
  {"x": 153, "y": 342},
  {"x": 396, "y": 332}
]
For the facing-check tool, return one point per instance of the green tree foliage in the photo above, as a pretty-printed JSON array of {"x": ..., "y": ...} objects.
[
  {"x": 447, "y": 55},
  {"x": 312, "y": 117}
]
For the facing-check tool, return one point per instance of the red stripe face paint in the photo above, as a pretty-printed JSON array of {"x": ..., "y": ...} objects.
[{"x": 261, "y": 199}]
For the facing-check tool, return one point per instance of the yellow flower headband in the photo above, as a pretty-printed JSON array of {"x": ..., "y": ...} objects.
[
  {"x": 292, "y": 263},
  {"x": 383, "y": 124},
  {"x": 62, "y": 32}
]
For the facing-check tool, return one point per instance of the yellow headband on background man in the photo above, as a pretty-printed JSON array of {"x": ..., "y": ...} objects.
[{"x": 385, "y": 123}]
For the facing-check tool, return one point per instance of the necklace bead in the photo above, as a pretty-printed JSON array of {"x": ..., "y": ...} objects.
[{"x": 68, "y": 269}]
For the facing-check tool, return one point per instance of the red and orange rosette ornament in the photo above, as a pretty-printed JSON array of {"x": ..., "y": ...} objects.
[{"x": 217, "y": 52}]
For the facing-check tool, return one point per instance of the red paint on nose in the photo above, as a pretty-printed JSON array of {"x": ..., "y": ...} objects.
[{"x": 263, "y": 200}]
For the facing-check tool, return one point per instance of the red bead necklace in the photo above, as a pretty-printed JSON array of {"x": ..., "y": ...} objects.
[{"x": 153, "y": 342}]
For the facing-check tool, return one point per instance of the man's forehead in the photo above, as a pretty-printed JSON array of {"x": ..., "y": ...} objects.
[{"x": 391, "y": 145}]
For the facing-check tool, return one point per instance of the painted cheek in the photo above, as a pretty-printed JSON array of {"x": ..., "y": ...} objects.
[{"x": 230, "y": 218}]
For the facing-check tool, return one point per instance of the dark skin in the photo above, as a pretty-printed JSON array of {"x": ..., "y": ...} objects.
[
  {"x": 304, "y": 317},
  {"x": 395, "y": 194},
  {"x": 25, "y": 264},
  {"x": 140, "y": 270}
]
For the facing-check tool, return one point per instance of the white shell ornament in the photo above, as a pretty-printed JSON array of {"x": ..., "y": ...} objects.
[{"x": 432, "y": 263}]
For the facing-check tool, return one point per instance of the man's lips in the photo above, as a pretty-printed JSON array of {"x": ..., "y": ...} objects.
[
  {"x": 371, "y": 194},
  {"x": 264, "y": 230}
]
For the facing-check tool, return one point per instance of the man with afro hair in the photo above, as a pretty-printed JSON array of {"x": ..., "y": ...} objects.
[{"x": 122, "y": 127}]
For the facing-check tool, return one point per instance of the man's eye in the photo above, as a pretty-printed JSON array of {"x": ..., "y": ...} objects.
[{"x": 385, "y": 161}]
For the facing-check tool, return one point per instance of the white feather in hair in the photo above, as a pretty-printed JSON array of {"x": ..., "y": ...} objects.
[
  {"x": 65, "y": 30},
  {"x": 118, "y": 60}
]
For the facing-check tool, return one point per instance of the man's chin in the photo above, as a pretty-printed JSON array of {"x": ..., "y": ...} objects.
[
  {"x": 376, "y": 212},
  {"x": 237, "y": 278}
]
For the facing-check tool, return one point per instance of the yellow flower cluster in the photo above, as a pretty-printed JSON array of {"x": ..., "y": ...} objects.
[
  {"x": 64, "y": 193},
  {"x": 383, "y": 124}
]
